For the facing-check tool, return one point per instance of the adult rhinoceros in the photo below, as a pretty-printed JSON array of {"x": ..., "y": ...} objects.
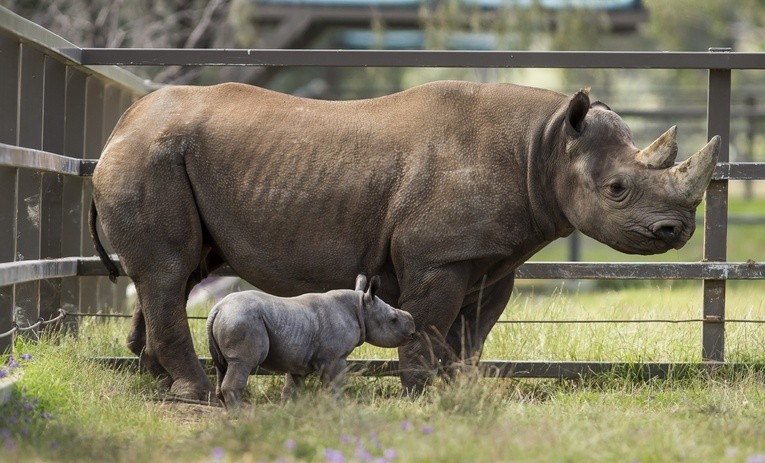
[{"x": 433, "y": 188}]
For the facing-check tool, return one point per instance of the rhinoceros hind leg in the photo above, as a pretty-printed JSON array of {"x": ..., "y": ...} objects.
[
  {"x": 136, "y": 342},
  {"x": 233, "y": 384}
]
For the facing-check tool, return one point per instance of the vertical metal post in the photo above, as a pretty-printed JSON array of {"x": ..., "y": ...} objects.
[
  {"x": 52, "y": 184},
  {"x": 74, "y": 144},
  {"x": 94, "y": 119},
  {"x": 107, "y": 291},
  {"x": 9, "y": 77},
  {"x": 751, "y": 131},
  {"x": 716, "y": 218},
  {"x": 28, "y": 181}
]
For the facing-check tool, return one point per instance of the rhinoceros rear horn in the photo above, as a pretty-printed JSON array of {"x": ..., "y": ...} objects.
[
  {"x": 693, "y": 174},
  {"x": 662, "y": 152}
]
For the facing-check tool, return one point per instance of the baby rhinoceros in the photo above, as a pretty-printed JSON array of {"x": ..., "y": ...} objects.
[{"x": 298, "y": 335}]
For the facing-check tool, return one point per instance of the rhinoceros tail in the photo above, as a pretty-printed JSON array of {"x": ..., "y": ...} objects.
[
  {"x": 114, "y": 272},
  {"x": 217, "y": 356}
]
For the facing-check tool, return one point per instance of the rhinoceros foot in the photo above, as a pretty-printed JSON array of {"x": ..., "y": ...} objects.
[{"x": 192, "y": 390}]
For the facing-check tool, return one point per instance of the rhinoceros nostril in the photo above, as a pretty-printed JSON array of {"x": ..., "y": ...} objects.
[{"x": 668, "y": 233}]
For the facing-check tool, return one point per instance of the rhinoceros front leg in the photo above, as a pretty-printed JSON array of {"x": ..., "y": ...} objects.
[
  {"x": 434, "y": 298},
  {"x": 479, "y": 314},
  {"x": 332, "y": 376}
]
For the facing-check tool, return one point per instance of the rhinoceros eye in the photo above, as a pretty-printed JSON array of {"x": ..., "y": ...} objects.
[{"x": 617, "y": 190}]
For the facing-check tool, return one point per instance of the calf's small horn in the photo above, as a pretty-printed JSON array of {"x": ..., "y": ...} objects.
[
  {"x": 693, "y": 174},
  {"x": 662, "y": 152}
]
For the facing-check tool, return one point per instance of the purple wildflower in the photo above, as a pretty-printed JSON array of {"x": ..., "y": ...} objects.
[
  {"x": 427, "y": 429},
  {"x": 290, "y": 444},
  {"x": 26, "y": 356},
  {"x": 363, "y": 455},
  {"x": 345, "y": 439},
  {"x": 3, "y": 374},
  {"x": 217, "y": 453},
  {"x": 406, "y": 425},
  {"x": 389, "y": 454},
  {"x": 54, "y": 445},
  {"x": 756, "y": 458},
  {"x": 333, "y": 456}
]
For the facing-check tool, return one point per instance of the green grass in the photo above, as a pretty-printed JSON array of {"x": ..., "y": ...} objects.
[{"x": 99, "y": 414}]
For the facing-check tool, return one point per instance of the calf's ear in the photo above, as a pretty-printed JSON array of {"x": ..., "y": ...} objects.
[
  {"x": 361, "y": 282},
  {"x": 577, "y": 111}
]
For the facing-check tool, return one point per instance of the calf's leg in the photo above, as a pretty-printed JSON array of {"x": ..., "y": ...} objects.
[
  {"x": 293, "y": 384},
  {"x": 332, "y": 376}
]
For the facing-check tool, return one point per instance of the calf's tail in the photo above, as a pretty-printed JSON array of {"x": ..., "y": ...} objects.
[
  {"x": 114, "y": 272},
  {"x": 217, "y": 356}
]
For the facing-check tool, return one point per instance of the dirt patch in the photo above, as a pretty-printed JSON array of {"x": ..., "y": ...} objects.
[{"x": 187, "y": 414}]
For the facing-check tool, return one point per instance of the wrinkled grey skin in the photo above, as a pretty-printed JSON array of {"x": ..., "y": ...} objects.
[
  {"x": 433, "y": 188},
  {"x": 298, "y": 336}
]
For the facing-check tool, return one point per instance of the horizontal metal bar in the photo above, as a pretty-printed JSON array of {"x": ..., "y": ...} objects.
[
  {"x": 642, "y": 270},
  {"x": 16, "y": 156},
  {"x": 12, "y": 273},
  {"x": 510, "y": 368},
  {"x": 92, "y": 266},
  {"x": 417, "y": 58},
  {"x": 739, "y": 171}
]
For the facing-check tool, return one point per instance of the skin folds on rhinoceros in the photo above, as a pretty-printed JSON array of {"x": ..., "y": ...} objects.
[{"x": 437, "y": 189}]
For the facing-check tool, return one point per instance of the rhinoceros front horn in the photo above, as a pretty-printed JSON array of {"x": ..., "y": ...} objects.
[
  {"x": 662, "y": 152},
  {"x": 693, "y": 175}
]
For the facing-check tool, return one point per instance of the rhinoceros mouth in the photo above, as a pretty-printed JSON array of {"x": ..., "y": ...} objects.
[{"x": 652, "y": 240}]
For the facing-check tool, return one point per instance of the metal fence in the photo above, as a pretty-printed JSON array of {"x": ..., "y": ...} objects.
[{"x": 59, "y": 98}]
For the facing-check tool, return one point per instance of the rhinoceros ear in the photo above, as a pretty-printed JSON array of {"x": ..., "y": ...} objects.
[
  {"x": 361, "y": 282},
  {"x": 374, "y": 285},
  {"x": 577, "y": 111}
]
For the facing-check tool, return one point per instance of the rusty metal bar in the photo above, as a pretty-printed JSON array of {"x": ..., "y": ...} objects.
[
  {"x": 92, "y": 266},
  {"x": 415, "y": 58},
  {"x": 25, "y": 271},
  {"x": 12, "y": 273},
  {"x": 716, "y": 218},
  {"x": 15, "y": 156}
]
